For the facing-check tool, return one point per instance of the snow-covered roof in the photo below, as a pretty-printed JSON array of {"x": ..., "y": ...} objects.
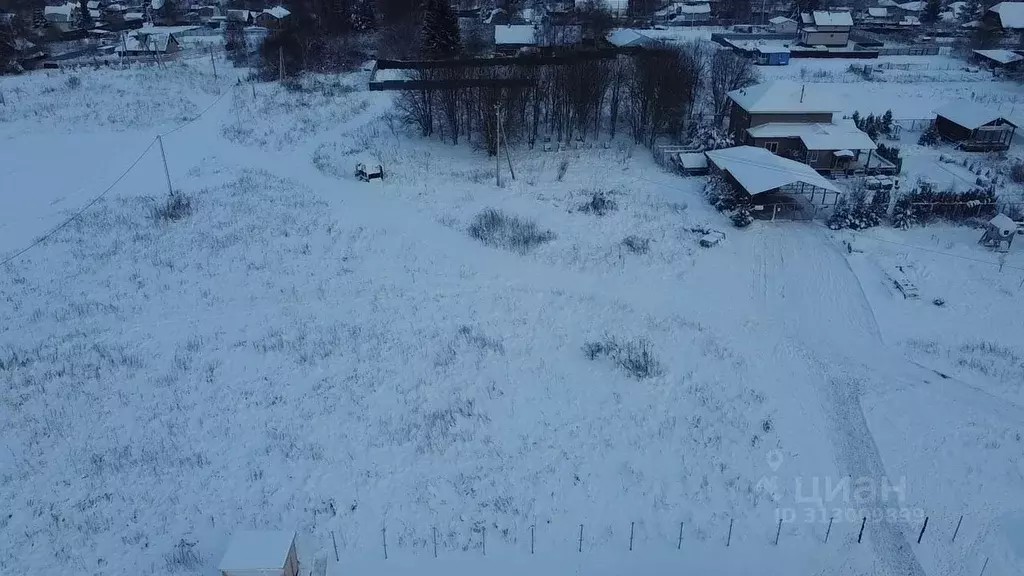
[
  {"x": 133, "y": 16},
  {"x": 92, "y": 4},
  {"x": 172, "y": 30},
  {"x": 772, "y": 49},
  {"x": 257, "y": 550},
  {"x": 758, "y": 170},
  {"x": 878, "y": 12},
  {"x": 278, "y": 12},
  {"x": 833, "y": 136},
  {"x": 888, "y": 3},
  {"x": 1000, "y": 55},
  {"x": 693, "y": 160},
  {"x": 806, "y": 18},
  {"x": 628, "y": 37},
  {"x": 968, "y": 114},
  {"x": 156, "y": 4},
  {"x": 915, "y": 6},
  {"x": 95, "y": 14},
  {"x": 781, "y": 20},
  {"x": 1004, "y": 223},
  {"x": 523, "y": 34},
  {"x": 695, "y": 9},
  {"x": 822, "y": 18},
  {"x": 780, "y": 96},
  {"x": 1011, "y": 14},
  {"x": 62, "y": 10}
]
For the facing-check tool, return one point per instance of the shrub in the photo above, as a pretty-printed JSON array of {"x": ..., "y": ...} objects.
[
  {"x": 636, "y": 244},
  {"x": 73, "y": 82},
  {"x": 600, "y": 203},
  {"x": 1017, "y": 172},
  {"x": 499, "y": 230},
  {"x": 930, "y": 137},
  {"x": 177, "y": 207},
  {"x": 563, "y": 166},
  {"x": 635, "y": 357},
  {"x": 741, "y": 217}
]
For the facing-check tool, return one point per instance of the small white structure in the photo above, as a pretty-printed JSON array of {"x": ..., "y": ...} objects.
[
  {"x": 783, "y": 25},
  {"x": 627, "y": 37},
  {"x": 999, "y": 233},
  {"x": 260, "y": 553}
]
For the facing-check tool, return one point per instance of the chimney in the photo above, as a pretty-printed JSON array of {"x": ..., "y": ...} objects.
[{"x": 802, "y": 88}]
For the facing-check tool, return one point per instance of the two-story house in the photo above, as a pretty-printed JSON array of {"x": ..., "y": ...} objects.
[
  {"x": 821, "y": 28},
  {"x": 783, "y": 118}
]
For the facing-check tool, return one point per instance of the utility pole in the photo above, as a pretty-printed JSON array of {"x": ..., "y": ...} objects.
[
  {"x": 508, "y": 155},
  {"x": 280, "y": 64},
  {"x": 497, "y": 144},
  {"x": 214, "y": 62},
  {"x": 167, "y": 172}
]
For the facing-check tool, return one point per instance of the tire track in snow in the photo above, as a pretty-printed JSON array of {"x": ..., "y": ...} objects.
[{"x": 825, "y": 317}]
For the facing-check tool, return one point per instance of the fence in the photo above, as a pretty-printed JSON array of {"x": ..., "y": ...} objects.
[
  {"x": 963, "y": 210},
  {"x": 931, "y": 50}
]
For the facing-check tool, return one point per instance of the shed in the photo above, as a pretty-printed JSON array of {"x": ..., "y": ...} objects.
[
  {"x": 627, "y": 37},
  {"x": 772, "y": 55},
  {"x": 998, "y": 58},
  {"x": 999, "y": 233},
  {"x": 260, "y": 553},
  {"x": 758, "y": 171},
  {"x": 783, "y": 25},
  {"x": 512, "y": 37},
  {"x": 973, "y": 127}
]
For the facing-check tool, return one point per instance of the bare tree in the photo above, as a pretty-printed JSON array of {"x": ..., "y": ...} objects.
[
  {"x": 728, "y": 71},
  {"x": 417, "y": 106},
  {"x": 662, "y": 90}
]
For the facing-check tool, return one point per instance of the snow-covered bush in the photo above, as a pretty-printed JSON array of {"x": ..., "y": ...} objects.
[
  {"x": 598, "y": 203},
  {"x": 499, "y": 230},
  {"x": 635, "y": 356},
  {"x": 903, "y": 216},
  {"x": 858, "y": 213},
  {"x": 930, "y": 137},
  {"x": 709, "y": 137},
  {"x": 727, "y": 199},
  {"x": 176, "y": 207},
  {"x": 1017, "y": 172},
  {"x": 741, "y": 217},
  {"x": 636, "y": 244}
]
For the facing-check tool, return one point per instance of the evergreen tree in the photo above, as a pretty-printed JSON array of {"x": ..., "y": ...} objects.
[
  {"x": 970, "y": 12},
  {"x": 85, "y": 19},
  {"x": 930, "y": 15},
  {"x": 440, "y": 32},
  {"x": 364, "y": 17}
]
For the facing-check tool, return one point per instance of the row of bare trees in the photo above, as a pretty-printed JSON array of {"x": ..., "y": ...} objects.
[{"x": 655, "y": 94}]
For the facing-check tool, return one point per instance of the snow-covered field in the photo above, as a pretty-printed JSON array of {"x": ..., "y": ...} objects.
[{"x": 305, "y": 351}]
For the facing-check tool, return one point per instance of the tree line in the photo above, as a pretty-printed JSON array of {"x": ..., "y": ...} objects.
[{"x": 662, "y": 92}]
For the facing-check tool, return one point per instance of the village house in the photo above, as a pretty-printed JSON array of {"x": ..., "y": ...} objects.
[
  {"x": 782, "y": 118},
  {"x": 820, "y": 28},
  {"x": 272, "y": 18},
  {"x": 973, "y": 127},
  {"x": 1005, "y": 16}
]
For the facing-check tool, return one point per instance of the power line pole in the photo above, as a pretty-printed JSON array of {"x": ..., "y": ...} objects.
[
  {"x": 508, "y": 155},
  {"x": 280, "y": 64},
  {"x": 214, "y": 62},
  {"x": 497, "y": 144},
  {"x": 167, "y": 172}
]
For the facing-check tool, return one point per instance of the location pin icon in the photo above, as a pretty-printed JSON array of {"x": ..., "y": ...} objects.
[{"x": 774, "y": 458}]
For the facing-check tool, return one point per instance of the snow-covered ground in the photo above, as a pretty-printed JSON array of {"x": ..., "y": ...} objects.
[{"x": 306, "y": 351}]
